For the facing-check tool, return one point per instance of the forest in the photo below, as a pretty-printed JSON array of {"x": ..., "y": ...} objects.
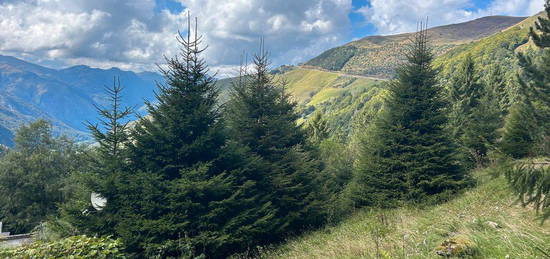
[{"x": 201, "y": 176}]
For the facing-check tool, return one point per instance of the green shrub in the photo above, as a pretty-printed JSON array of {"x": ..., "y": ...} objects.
[{"x": 71, "y": 247}]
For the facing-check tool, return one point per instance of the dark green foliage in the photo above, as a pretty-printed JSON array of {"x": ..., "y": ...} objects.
[
  {"x": 262, "y": 118},
  {"x": 108, "y": 162},
  {"x": 464, "y": 93},
  {"x": 535, "y": 79},
  {"x": 33, "y": 176},
  {"x": 480, "y": 133},
  {"x": 518, "y": 136},
  {"x": 317, "y": 128},
  {"x": 497, "y": 88},
  {"x": 112, "y": 134},
  {"x": 531, "y": 181},
  {"x": 333, "y": 59},
  {"x": 407, "y": 153},
  {"x": 475, "y": 113},
  {"x": 71, "y": 247},
  {"x": 179, "y": 188}
]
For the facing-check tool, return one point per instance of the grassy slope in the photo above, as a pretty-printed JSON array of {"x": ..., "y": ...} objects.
[
  {"x": 499, "y": 48},
  {"x": 313, "y": 87},
  {"x": 414, "y": 233},
  {"x": 377, "y": 56},
  {"x": 339, "y": 97}
]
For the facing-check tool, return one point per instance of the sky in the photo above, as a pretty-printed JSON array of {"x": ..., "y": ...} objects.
[{"x": 136, "y": 34}]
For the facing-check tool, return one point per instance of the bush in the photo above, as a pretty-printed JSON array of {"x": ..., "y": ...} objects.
[{"x": 71, "y": 247}]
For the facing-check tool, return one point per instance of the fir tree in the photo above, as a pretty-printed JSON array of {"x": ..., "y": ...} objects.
[
  {"x": 262, "y": 118},
  {"x": 112, "y": 133},
  {"x": 480, "y": 132},
  {"x": 535, "y": 80},
  {"x": 495, "y": 83},
  {"x": 408, "y": 153},
  {"x": 475, "y": 111},
  {"x": 317, "y": 128},
  {"x": 518, "y": 135},
  {"x": 108, "y": 163},
  {"x": 187, "y": 191},
  {"x": 465, "y": 91}
]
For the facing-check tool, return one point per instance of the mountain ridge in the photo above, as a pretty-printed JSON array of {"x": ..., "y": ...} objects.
[
  {"x": 67, "y": 97},
  {"x": 376, "y": 56}
]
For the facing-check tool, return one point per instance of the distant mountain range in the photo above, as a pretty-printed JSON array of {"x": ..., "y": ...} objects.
[
  {"x": 66, "y": 97},
  {"x": 342, "y": 83},
  {"x": 377, "y": 56}
]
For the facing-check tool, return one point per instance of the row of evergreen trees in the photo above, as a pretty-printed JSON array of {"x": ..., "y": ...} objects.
[{"x": 199, "y": 178}]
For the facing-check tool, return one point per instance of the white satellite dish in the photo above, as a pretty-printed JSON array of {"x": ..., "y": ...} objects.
[{"x": 98, "y": 201}]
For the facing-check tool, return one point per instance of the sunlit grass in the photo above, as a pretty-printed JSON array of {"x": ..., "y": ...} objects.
[{"x": 416, "y": 232}]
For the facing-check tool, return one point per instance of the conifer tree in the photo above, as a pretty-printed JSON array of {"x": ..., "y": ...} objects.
[
  {"x": 108, "y": 163},
  {"x": 408, "y": 153},
  {"x": 496, "y": 85},
  {"x": 112, "y": 133},
  {"x": 317, "y": 128},
  {"x": 518, "y": 136},
  {"x": 480, "y": 132},
  {"x": 262, "y": 118},
  {"x": 475, "y": 113},
  {"x": 535, "y": 80},
  {"x": 465, "y": 91},
  {"x": 186, "y": 190}
]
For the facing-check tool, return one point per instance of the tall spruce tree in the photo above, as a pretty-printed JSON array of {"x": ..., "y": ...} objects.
[
  {"x": 475, "y": 112},
  {"x": 464, "y": 92},
  {"x": 519, "y": 131},
  {"x": 108, "y": 162},
  {"x": 262, "y": 118},
  {"x": 182, "y": 189},
  {"x": 535, "y": 79},
  {"x": 408, "y": 154},
  {"x": 495, "y": 83}
]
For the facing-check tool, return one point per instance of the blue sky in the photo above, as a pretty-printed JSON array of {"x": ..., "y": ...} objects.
[{"x": 135, "y": 34}]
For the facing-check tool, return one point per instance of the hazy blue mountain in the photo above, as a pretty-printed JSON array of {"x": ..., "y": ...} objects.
[{"x": 66, "y": 97}]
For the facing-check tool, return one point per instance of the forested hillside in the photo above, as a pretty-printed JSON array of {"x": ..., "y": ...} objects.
[
  {"x": 450, "y": 158},
  {"x": 377, "y": 56}
]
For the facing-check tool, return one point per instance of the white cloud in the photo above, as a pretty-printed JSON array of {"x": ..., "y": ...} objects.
[
  {"x": 100, "y": 33},
  {"x": 131, "y": 35},
  {"x": 397, "y": 16},
  {"x": 293, "y": 30}
]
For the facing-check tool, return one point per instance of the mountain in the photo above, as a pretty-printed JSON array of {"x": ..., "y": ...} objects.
[
  {"x": 377, "y": 56},
  {"x": 344, "y": 83},
  {"x": 66, "y": 97}
]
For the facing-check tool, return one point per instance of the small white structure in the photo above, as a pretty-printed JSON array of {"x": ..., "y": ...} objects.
[
  {"x": 3, "y": 234},
  {"x": 98, "y": 201}
]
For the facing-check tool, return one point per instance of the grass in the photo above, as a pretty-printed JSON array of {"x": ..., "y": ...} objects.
[{"x": 415, "y": 232}]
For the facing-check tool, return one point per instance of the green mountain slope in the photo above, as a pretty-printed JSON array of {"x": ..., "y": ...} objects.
[
  {"x": 338, "y": 96},
  {"x": 486, "y": 217},
  {"x": 376, "y": 56},
  {"x": 499, "y": 48}
]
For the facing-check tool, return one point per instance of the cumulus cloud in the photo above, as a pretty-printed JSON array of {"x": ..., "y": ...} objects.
[
  {"x": 100, "y": 33},
  {"x": 130, "y": 34},
  {"x": 293, "y": 30},
  {"x": 397, "y": 16},
  {"x": 135, "y": 34}
]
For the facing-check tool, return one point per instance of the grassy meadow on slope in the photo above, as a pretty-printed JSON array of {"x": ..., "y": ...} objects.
[
  {"x": 337, "y": 96},
  {"x": 499, "y": 48},
  {"x": 378, "y": 56},
  {"x": 417, "y": 232}
]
